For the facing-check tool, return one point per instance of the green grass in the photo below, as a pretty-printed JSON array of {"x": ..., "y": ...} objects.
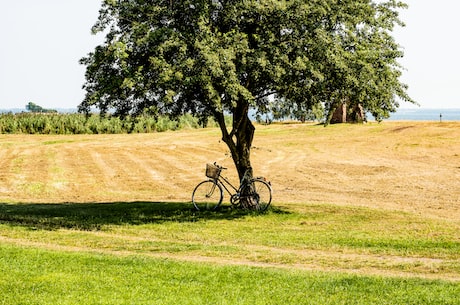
[
  {"x": 34, "y": 276},
  {"x": 139, "y": 253},
  {"x": 296, "y": 226},
  {"x": 154, "y": 226}
]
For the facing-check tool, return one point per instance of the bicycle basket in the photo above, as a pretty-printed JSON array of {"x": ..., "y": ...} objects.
[{"x": 212, "y": 171}]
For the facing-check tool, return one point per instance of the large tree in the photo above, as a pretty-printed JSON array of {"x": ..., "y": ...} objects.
[{"x": 224, "y": 57}]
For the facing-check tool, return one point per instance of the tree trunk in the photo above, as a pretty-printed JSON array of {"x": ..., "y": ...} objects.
[{"x": 239, "y": 140}]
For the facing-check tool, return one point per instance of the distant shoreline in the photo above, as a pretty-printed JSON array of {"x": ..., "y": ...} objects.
[
  {"x": 403, "y": 114},
  {"x": 421, "y": 114}
]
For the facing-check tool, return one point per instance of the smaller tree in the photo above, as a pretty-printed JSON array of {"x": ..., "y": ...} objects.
[{"x": 32, "y": 107}]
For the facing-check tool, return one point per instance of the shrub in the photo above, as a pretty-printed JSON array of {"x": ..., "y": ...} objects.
[{"x": 52, "y": 123}]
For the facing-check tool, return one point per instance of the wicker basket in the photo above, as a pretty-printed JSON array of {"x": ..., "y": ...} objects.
[{"x": 212, "y": 171}]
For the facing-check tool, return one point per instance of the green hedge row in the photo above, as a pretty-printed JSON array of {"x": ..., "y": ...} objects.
[{"x": 35, "y": 123}]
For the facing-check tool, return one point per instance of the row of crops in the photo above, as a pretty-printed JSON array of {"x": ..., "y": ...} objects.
[{"x": 37, "y": 123}]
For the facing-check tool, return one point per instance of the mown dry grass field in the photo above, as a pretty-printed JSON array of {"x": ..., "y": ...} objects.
[
  {"x": 393, "y": 167},
  {"x": 404, "y": 166}
]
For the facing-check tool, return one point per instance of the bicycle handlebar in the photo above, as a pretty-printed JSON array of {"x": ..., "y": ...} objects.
[{"x": 221, "y": 167}]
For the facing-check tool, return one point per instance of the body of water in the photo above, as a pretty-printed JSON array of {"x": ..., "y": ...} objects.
[
  {"x": 418, "y": 114},
  {"x": 406, "y": 114}
]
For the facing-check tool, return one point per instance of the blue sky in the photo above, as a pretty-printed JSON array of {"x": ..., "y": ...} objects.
[
  {"x": 42, "y": 41},
  {"x": 431, "y": 46}
]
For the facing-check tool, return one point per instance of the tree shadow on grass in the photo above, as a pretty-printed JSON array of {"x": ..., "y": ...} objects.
[{"x": 93, "y": 216}]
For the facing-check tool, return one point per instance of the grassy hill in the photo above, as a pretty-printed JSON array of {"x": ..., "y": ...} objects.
[{"x": 367, "y": 212}]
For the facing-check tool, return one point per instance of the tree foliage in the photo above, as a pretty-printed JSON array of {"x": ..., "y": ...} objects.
[
  {"x": 32, "y": 107},
  {"x": 212, "y": 57}
]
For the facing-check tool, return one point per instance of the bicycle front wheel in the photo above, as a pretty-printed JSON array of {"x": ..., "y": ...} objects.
[
  {"x": 256, "y": 195},
  {"x": 207, "y": 195}
]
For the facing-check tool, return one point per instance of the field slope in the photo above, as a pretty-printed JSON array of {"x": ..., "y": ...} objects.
[
  {"x": 375, "y": 200},
  {"x": 412, "y": 167}
]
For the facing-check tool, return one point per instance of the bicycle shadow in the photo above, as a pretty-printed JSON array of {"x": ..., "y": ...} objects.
[{"x": 94, "y": 216}]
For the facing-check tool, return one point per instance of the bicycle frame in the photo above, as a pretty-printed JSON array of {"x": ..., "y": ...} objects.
[
  {"x": 226, "y": 185},
  {"x": 221, "y": 179}
]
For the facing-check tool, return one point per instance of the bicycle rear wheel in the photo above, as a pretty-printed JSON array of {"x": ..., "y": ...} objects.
[
  {"x": 207, "y": 195},
  {"x": 256, "y": 195}
]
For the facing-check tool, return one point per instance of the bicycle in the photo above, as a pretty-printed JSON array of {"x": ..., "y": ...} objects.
[{"x": 253, "y": 193}]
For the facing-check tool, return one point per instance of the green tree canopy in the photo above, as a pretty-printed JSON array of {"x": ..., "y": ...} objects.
[
  {"x": 216, "y": 57},
  {"x": 32, "y": 107}
]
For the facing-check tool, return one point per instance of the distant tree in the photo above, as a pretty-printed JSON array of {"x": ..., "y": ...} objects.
[
  {"x": 32, "y": 107},
  {"x": 217, "y": 57},
  {"x": 281, "y": 109}
]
